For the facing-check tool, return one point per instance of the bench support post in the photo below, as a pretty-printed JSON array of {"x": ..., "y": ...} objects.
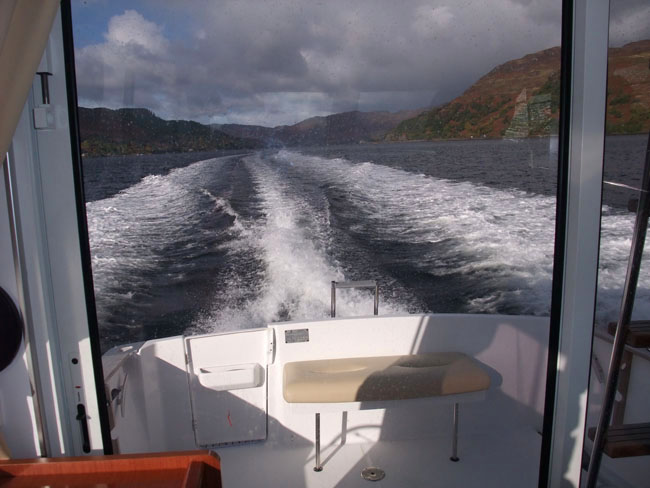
[
  {"x": 318, "y": 466},
  {"x": 454, "y": 442}
]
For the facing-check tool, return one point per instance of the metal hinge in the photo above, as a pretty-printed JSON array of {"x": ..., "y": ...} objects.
[{"x": 44, "y": 117}]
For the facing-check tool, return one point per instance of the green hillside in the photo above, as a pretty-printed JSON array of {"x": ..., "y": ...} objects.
[
  {"x": 139, "y": 131},
  {"x": 521, "y": 99}
]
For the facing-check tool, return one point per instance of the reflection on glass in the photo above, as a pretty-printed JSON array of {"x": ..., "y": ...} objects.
[
  {"x": 187, "y": 239},
  {"x": 627, "y": 129},
  {"x": 240, "y": 156}
]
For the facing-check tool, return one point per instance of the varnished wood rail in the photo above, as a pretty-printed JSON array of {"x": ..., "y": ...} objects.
[{"x": 185, "y": 469}]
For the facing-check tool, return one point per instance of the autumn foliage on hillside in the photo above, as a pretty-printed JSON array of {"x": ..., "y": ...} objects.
[{"x": 521, "y": 98}]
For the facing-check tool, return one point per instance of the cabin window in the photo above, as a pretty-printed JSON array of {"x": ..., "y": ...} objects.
[
  {"x": 239, "y": 157},
  {"x": 626, "y": 144},
  {"x": 237, "y": 160}
]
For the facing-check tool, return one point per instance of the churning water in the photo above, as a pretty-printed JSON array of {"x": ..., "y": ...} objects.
[{"x": 214, "y": 242}]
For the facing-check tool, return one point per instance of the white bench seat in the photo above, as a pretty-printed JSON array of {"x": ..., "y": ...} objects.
[
  {"x": 379, "y": 379},
  {"x": 382, "y": 378}
]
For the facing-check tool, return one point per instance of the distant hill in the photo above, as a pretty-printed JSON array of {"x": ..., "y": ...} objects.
[
  {"x": 342, "y": 128},
  {"x": 107, "y": 132},
  {"x": 242, "y": 131},
  {"x": 628, "y": 89},
  {"x": 520, "y": 98}
]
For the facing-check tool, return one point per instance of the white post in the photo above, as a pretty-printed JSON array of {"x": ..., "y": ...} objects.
[{"x": 588, "y": 97}]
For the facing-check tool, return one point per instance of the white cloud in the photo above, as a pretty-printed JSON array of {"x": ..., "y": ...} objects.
[
  {"x": 131, "y": 28},
  {"x": 627, "y": 28},
  {"x": 274, "y": 62},
  {"x": 289, "y": 107}
]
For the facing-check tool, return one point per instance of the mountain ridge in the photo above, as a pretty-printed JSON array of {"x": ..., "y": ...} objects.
[
  {"x": 106, "y": 132},
  {"x": 519, "y": 98},
  {"x": 341, "y": 128}
]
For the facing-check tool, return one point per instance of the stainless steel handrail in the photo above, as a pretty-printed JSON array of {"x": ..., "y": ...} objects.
[
  {"x": 354, "y": 284},
  {"x": 622, "y": 326}
]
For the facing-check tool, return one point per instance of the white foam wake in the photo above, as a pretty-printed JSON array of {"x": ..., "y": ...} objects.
[
  {"x": 130, "y": 231},
  {"x": 615, "y": 244},
  {"x": 503, "y": 236},
  {"x": 292, "y": 240}
]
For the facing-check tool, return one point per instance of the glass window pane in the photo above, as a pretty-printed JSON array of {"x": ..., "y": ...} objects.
[
  {"x": 627, "y": 126},
  {"x": 240, "y": 157}
]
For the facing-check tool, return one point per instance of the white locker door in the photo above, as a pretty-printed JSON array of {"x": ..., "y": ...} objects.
[{"x": 227, "y": 377}]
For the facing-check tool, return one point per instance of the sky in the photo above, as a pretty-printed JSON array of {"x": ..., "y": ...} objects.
[{"x": 277, "y": 62}]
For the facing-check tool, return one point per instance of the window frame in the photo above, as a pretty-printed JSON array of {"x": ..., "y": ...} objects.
[{"x": 581, "y": 144}]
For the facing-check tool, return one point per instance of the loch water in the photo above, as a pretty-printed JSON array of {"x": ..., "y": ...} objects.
[{"x": 203, "y": 242}]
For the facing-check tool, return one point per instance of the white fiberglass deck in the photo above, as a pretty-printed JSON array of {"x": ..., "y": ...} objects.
[
  {"x": 235, "y": 396},
  {"x": 503, "y": 459},
  {"x": 225, "y": 391}
]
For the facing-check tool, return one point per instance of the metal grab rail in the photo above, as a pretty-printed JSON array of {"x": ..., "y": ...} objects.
[
  {"x": 622, "y": 326},
  {"x": 354, "y": 284}
]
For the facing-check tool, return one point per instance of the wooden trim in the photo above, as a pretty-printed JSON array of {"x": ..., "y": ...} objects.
[
  {"x": 175, "y": 469},
  {"x": 194, "y": 474},
  {"x": 638, "y": 334},
  {"x": 601, "y": 333},
  {"x": 626, "y": 440}
]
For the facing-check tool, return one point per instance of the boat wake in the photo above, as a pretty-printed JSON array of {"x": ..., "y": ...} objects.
[{"x": 241, "y": 241}]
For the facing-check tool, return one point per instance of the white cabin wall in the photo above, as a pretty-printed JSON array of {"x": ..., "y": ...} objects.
[
  {"x": 17, "y": 413},
  {"x": 41, "y": 266},
  {"x": 57, "y": 229}
]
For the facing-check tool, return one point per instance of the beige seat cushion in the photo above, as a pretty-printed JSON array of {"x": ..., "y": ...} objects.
[{"x": 382, "y": 378}]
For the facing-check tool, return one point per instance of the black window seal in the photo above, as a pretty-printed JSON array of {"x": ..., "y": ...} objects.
[{"x": 84, "y": 243}]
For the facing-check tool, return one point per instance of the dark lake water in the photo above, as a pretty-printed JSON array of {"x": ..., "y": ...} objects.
[{"x": 194, "y": 243}]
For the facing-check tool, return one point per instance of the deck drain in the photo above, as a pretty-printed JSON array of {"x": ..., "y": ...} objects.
[{"x": 373, "y": 474}]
